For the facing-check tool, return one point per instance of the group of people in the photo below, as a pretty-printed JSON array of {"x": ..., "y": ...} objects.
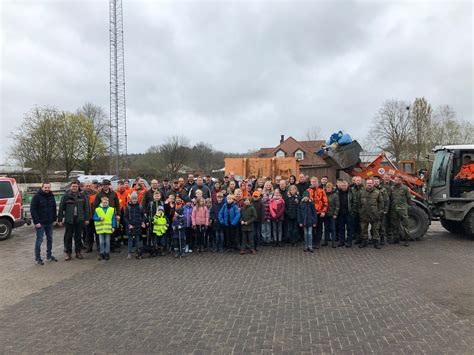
[{"x": 202, "y": 214}]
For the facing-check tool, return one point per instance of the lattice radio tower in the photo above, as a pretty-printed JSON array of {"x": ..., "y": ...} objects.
[{"x": 118, "y": 113}]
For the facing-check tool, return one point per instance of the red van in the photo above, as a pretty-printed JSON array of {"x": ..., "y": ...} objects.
[{"x": 11, "y": 210}]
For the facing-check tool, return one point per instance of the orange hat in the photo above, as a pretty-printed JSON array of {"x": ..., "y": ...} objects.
[{"x": 256, "y": 194}]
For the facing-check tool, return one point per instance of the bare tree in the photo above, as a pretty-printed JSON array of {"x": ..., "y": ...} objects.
[
  {"x": 175, "y": 153},
  {"x": 92, "y": 146},
  {"x": 36, "y": 141},
  {"x": 447, "y": 129},
  {"x": 202, "y": 156},
  {"x": 69, "y": 134},
  {"x": 391, "y": 128},
  {"x": 421, "y": 126},
  {"x": 313, "y": 133}
]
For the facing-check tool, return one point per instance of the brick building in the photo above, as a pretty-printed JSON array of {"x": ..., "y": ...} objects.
[{"x": 304, "y": 152}]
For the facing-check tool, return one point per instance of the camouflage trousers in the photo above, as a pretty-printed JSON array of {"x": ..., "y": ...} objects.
[
  {"x": 374, "y": 228},
  {"x": 399, "y": 223}
]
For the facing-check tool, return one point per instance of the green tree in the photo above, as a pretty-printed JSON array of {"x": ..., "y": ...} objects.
[{"x": 69, "y": 134}]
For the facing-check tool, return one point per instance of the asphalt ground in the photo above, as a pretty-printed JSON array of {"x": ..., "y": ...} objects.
[{"x": 398, "y": 300}]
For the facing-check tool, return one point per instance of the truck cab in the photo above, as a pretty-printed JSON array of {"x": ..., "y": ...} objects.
[
  {"x": 11, "y": 210},
  {"x": 450, "y": 197}
]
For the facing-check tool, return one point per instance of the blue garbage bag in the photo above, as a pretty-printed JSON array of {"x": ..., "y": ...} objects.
[{"x": 345, "y": 139}]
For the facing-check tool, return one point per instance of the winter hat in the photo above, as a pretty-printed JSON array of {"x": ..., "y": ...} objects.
[
  {"x": 160, "y": 208},
  {"x": 256, "y": 194},
  {"x": 133, "y": 195}
]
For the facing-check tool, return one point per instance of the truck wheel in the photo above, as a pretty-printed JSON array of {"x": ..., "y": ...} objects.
[
  {"x": 5, "y": 229},
  {"x": 468, "y": 224},
  {"x": 454, "y": 227},
  {"x": 419, "y": 222}
]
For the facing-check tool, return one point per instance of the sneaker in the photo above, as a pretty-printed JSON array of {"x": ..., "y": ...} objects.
[
  {"x": 39, "y": 262},
  {"x": 254, "y": 252},
  {"x": 107, "y": 256},
  {"x": 101, "y": 257},
  {"x": 51, "y": 258},
  {"x": 311, "y": 250},
  {"x": 305, "y": 249},
  {"x": 138, "y": 257},
  {"x": 68, "y": 257},
  {"x": 242, "y": 252},
  {"x": 129, "y": 256}
]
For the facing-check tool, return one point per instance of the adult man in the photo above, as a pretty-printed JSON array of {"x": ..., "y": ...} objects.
[
  {"x": 74, "y": 210},
  {"x": 90, "y": 228},
  {"x": 148, "y": 195},
  {"x": 276, "y": 185},
  {"x": 225, "y": 183},
  {"x": 206, "y": 193},
  {"x": 181, "y": 183},
  {"x": 123, "y": 195},
  {"x": 190, "y": 183},
  {"x": 467, "y": 169},
  {"x": 324, "y": 181},
  {"x": 370, "y": 203},
  {"x": 387, "y": 183},
  {"x": 384, "y": 212},
  {"x": 320, "y": 200},
  {"x": 113, "y": 202},
  {"x": 165, "y": 189},
  {"x": 302, "y": 185},
  {"x": 400, "y": 200},
  {"x": 176, "y": 189},
  {"x": 43, "y": 213},
  {"x": 209, "y": 183},
  {"x": 345, "y": 218},
  {"x": 356, "y": 188}
]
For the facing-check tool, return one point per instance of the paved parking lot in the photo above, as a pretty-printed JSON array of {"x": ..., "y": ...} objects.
[{"x": 397, "y": 300}]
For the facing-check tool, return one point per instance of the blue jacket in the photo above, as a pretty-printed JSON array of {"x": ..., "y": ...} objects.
[
  {"x": 187, "y": 213},
  {"x": 43, "y": 208},
  {"x": 134, "y": 215},
  {"x": 234, "y": 215},
  {"x": 307, "y": 214},
  {"x": 97, "y": 218}
]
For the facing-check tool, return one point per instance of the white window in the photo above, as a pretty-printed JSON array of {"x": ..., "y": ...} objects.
[
  {"x": 299, "y": 155},
  {"x": 280, "y": 154}
]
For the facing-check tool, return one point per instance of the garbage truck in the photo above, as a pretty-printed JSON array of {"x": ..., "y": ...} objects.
[{"x": 442, "y": 196}]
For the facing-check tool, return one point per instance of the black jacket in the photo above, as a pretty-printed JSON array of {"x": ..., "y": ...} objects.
[
  {"x": 43, "y": 208},
  {"x": 134, "y": 215},
  {"x": 291, "y": 207}
]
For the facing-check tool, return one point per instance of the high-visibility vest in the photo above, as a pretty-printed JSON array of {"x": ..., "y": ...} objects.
[
  {"x": 105, "y": 226},
  {"x": 159, "y": 225}
]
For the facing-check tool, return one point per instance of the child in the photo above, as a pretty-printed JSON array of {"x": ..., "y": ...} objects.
[
  {"x": 216, "y": 225},
  {"x": 170, "y": 208},
  {"x": 134, "y": 221},
  {"x": 229, "y": 217},
  {"x": 150, "y": 212},
  {"x": 105, "y": 223},
  {"x": 249, "y": 216},
  {"x": 200, "y": 219},
  {"x": 291, "y": 213},
  {"x": 208, "y": 233},
  {"x": 307, "y": 220},
  {"x": 187, "y": 214},
  {"x": 257, "y": 225},
  {"x": 277, "y": 212},
  {"x": 179, "y": 235},
  {"x": 266, "y": 219},
  {"x": 160, "y": 226},
  {"x": 179, "y": 202}
]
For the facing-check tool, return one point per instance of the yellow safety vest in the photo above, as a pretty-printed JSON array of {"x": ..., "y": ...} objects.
[
  {"x": 105, "y": 226},
  {"x": 159, "y": 225}
]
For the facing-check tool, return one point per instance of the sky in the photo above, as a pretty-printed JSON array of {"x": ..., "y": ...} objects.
[{"x": 236, "y": 74}]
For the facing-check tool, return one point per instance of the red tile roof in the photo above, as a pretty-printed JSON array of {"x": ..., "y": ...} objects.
[{"x": 291, "y": 145}]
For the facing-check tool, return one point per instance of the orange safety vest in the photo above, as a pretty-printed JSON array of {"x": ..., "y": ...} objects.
[
  {"x": 124, "y": 198},
  {"x": 466, "y": 172},
  {"x": 320, "y": 199}
]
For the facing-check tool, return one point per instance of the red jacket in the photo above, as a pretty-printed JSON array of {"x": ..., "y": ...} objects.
[
  {"x": 277, "y": 209},
  {"x": 318, "y": 196}
]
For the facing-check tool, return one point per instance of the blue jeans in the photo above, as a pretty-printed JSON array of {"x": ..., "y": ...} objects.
[
  {"x": 134, "y": 237},
  {"x": 329, "y": 228},
  {"x": 308, "y": 237},
  {"x": 219, "y": 239},
  {"x": 277, "y": 227},
  {"x": 345, "y": 222},
  {"x": 104, "y": 241},
  {"x": 48, "y": 229},
  {"x": 267, "y": 232}
]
